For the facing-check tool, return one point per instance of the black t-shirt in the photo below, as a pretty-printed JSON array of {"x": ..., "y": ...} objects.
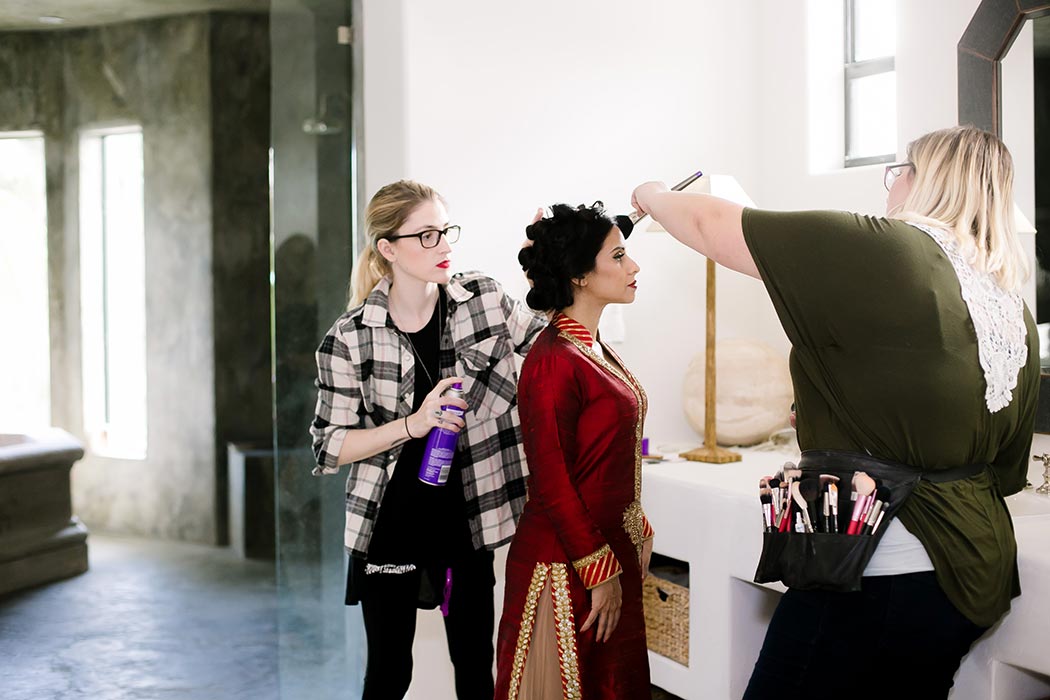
[{"x": 419, "y": 523}]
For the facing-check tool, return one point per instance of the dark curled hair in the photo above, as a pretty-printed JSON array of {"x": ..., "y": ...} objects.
[{"x": 564, "y": 247}]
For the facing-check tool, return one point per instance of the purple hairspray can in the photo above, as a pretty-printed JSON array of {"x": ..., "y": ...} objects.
[{"x": 441, "y": 445}]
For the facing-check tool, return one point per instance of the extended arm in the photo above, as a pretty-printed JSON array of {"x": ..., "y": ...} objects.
[{"x": 709, "y": 225}]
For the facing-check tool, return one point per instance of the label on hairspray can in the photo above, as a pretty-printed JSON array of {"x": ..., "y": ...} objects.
[{"x": 441, "y": 445}]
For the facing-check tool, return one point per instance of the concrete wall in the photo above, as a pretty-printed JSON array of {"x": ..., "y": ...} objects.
[
  {"x": 162, "y": 75},
  {"x": 240, "y": 129},
  {"x": 31, "y": 97}
]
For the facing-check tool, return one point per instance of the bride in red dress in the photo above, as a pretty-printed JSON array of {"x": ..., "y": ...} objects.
[{"x": 572, "y": 624}]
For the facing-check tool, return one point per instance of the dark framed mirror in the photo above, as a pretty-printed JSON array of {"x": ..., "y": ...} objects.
[{"x": 987, "y": 39}]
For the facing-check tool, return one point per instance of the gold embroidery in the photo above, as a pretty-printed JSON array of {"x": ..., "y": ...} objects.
[
  {"x": 643, "y": 406},
  {"x": 634, "y": 523},
  {"x": 528, "y": 620},
  {"x": 591, "y": 558},
  {"x": 566, "y": 629}
]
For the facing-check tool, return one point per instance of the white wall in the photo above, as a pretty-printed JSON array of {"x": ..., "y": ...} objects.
[{"x": 507, "y": 107}]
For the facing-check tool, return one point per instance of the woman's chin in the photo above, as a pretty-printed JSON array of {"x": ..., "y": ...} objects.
[{"x": 439, "y": 275}]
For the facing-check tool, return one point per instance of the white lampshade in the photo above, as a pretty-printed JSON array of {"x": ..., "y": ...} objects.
[
  {"x": 1021, "y": 222},
  {"x": 723, "y": 186}
]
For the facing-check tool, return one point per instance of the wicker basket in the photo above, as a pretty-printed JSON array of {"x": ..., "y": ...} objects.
[{"x": 666, "y": 617}]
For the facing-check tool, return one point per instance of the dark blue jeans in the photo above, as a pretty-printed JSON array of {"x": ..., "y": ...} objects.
[{"x": 899, "y": 637}]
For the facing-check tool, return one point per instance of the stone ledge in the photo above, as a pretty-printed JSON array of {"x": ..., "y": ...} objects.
[{"x": 62, "y": 555}]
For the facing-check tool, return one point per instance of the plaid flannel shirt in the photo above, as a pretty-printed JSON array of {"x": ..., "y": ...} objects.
[{"x": 366, "y": 378}]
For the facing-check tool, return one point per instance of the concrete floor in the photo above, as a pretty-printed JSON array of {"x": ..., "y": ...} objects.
[{"x": 150, "y": 620}]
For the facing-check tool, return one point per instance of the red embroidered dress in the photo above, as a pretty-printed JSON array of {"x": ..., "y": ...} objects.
[{"x": 581, "y": 418}]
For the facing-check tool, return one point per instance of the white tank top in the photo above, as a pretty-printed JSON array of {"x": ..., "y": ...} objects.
[{"x": 899, "y": 552}]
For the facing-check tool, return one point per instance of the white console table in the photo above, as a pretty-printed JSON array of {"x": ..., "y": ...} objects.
[{"x": 708, "y": 515}]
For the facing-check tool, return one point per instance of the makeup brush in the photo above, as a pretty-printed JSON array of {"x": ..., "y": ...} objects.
[
  {"x": 804, "y": 492},
  {"x": 882, "y": 497},
  {"x": 810, "y": 490},
  {"x": 863, "y": 486},
  {"x": 791, "y": 473},
  {"x": 878, "y": 522},
  {"x": 869, "y": 502},
  {"x": 766, "y": 496},
  {"x": 782, "y": 499},
  {"x": 833, "y": 498},
  {"x": 774, "y": 487},
  {"x": 785, "y": 506},
  {"x": 825, "y": 501},
  {"x": 784, "y": 520},
  {"x": 626, "y": 222}
]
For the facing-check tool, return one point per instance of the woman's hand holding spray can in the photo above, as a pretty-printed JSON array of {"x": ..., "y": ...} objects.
[{"x": 441, "y": 442}]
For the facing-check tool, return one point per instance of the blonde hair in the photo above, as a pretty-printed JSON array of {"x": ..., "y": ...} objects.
[
  {"x": 963, "y": 183},
  {"x": 387, "y": 211}
]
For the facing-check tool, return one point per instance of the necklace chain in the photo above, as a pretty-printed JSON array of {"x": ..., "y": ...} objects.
[{"x": 441, "y": 330}]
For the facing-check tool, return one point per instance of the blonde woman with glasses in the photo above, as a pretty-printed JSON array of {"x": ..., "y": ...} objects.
[
  {"x": 413, "y": 329},
  {"x": 912, "y": 354}
]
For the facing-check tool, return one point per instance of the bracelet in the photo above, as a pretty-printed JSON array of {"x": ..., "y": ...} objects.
[{"x": 409, "y": 432}]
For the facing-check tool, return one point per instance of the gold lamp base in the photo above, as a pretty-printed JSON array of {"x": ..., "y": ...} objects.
[
  {"x": 710, "y": 452},
  {"x": 712, "y": 455}
]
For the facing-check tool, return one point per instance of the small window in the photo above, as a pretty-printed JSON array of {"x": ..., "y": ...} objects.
[
  {"x": 113, "y": 291},
  {"x": 871, "y": 82},
  {"x": 25, "y": 358}
]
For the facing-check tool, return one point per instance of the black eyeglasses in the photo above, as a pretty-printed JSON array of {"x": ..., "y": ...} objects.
[
  {"x": 893, "y": 172},
  {"x": 430, "y": 237}
]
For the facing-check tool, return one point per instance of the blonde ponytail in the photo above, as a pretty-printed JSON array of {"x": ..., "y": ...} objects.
[
  {"x": 370, "y": 268},
  {"x": 387, "y": 211}
]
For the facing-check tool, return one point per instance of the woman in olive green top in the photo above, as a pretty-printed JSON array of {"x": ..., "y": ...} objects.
[{"x": 911, "y": 344}]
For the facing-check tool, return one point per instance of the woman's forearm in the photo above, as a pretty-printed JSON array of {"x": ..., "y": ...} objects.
[
  {"x": 709, "y": 225},
  {"x": 362, "y": 443}
]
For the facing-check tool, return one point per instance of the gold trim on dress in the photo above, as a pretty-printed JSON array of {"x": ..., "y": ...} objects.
[
  {"x": 528, "y": 620},
  {"x": 634, "y": 385},
  {"x": 592, "y": 557},
  {"x": 566, "y": 629},
  {"x": 634, "y": 523}
]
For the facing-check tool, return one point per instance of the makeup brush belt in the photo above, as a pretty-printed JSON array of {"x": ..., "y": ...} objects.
[{"x": 833, "y": 560}]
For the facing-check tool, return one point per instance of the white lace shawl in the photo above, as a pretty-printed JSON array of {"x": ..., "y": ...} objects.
[{"x": 998, "y": 319}]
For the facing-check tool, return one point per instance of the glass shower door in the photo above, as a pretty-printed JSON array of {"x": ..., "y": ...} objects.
[{"x": 321, "y": 648}]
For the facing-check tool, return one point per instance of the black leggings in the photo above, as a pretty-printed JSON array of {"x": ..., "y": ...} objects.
[
  {"x": 899, "y": 637},
  {"x": 389, "y": 608}
]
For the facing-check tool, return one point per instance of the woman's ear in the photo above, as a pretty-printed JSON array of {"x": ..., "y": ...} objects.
[{"x": 386, "y": 249}]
